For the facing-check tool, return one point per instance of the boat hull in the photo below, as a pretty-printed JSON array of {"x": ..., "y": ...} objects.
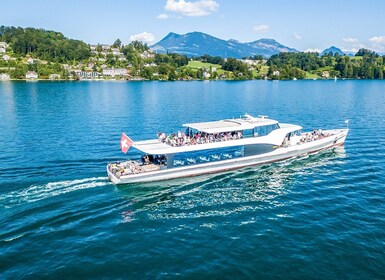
[{"x": 281, "y": 153}]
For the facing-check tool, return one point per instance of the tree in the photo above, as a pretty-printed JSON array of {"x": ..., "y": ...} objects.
[{"x": 117, "y": 43}]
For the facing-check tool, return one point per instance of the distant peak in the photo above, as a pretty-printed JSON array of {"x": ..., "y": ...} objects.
[
  {"x": 267, "y": 40},
  {"x": 171, "y": 34},
  {"x": 333, "y": 49}
]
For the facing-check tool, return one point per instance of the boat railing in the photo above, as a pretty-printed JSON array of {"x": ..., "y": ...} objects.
[{"x": 181, "y": 139}]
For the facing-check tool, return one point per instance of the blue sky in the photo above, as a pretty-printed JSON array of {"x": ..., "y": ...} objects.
[{"x": 301, "y": 24}]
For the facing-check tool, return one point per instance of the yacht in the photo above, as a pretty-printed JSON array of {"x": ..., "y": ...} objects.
[{"x": 219, "y": 146}]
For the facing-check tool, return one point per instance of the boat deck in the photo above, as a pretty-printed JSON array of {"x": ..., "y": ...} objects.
[{"x": 119, "y": 169}]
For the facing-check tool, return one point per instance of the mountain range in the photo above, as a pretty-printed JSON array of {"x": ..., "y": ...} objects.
[{"x": 198, "y": 43}]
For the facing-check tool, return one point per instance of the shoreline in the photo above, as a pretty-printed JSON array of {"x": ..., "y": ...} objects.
[{"x": 145, "y": 80}]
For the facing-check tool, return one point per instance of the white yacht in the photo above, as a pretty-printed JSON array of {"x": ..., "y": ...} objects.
[{"x": 218, "y": 146}]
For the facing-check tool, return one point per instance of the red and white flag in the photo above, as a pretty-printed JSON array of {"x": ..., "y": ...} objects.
[{"x": 125, "y": 143}]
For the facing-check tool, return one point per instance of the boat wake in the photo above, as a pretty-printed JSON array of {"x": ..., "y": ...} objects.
[{"x": 38, "y": 192}]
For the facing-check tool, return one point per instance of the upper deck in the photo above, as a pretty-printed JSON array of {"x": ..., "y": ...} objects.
[
  {"x": 229, "y": 125},
  {"x": 274, "y": 136}
]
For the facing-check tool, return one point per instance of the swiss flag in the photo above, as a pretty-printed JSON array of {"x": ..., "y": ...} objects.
[{"x": 125, "y": 143}]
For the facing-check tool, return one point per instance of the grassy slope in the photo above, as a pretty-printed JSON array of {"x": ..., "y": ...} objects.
[{"x": 198, "y": 64}]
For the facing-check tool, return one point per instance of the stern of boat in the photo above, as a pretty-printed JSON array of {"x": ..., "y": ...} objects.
[{"x": 111, "y": 176}]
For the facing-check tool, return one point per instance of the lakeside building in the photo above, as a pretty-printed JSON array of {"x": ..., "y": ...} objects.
[
  {"x": 31, "y": 75},
  {"x": 4, "y": 77},
  {"x": 115, "y": 72},
  {"x": 326, "y": 74},
  {"x": 86, "y": 75},
  {"x": 54, "y": 76}
]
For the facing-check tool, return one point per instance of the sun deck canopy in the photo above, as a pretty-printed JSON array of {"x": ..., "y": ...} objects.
[
  {"x": 276, "y": 137},
  {"x": 229, "y": 125}
]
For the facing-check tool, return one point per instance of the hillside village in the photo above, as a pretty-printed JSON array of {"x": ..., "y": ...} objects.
[
  {"x": 110, "y": 62},
  {"x": 37, "y": 54},
  {"x": 97, "y": 67}
]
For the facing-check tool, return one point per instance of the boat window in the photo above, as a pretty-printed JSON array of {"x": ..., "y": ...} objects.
[
  {"x": 265, "y": 130},
  {"x": 248, "y": 133},
  {"x": 210, "y": 155}
]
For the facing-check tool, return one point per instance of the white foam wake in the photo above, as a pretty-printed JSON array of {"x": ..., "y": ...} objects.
[{"x": 38, "y": 192}]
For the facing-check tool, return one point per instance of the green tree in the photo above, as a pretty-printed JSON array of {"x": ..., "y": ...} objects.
[{"x": 117, "y": 43}]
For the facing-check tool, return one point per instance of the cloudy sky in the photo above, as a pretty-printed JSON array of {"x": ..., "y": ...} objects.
[{"x": 301, "y": 24}]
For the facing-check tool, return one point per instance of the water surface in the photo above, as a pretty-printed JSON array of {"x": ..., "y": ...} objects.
[{"x": 315, "y": 217}]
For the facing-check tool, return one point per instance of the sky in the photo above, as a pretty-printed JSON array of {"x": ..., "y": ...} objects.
[{"x": 306, "y": 25}]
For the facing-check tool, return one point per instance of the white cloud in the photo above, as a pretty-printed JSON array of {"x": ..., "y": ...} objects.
[
  {"x": 163, "y": 16},
  {"x": 144, "y": 37},
  {"x": 313, "y": 50},
  {"x": 262, "y": 28},
  {"x": 350, "y": 40},
  {"x": 297, "y": 36},
  {"x": 192, "y": 9},
  {"x": 377, "y": 39}
]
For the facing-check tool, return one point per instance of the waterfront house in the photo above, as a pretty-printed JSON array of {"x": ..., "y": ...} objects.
[
  {"x": 326, "y": 74},
  {"x": 86, "y": 75},
  {"x": 115, "y": 72},
  {"x": 54, "y": 76},
  {"x": 31, "y": 75},
  {"x": 206, "y": 75},
  {"x": 4, "y": 77}
]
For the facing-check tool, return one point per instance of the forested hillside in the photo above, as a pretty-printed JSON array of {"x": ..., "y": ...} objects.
[{"x": 43, "y": 44}]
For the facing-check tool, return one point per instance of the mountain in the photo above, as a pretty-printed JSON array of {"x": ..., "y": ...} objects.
[
  {"x": 333, "y": 50},
  {"x": 269, "y": 47},
  {"x": 198, "y": 43}
]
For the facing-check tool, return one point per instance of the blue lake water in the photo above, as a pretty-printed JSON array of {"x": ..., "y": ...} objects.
[{"x": 317, "y": 217}]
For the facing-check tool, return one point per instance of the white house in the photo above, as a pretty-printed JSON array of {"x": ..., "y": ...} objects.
[
  {"x": 54, "y": 76},
  {"x": 326, "y": 74},
  {"x": 147, "y": 54},
  {"x": 206, "y": 75},
  {"x": 106, "y": 47},
  {"x": 152, "y": 64},
  {"x": 6, "y": 57},
  {"x": 31, "y": 75},
  {"x": 2, "y": 50},
  {"x": 4, "y": 77},
  {"x": 4, "y": 45},
  {"x": 30, "y": 60},
  {"x": 115, "y": 72},
  {"x": 86, "y": 75},
  {"x": 276, "y": 73}
]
